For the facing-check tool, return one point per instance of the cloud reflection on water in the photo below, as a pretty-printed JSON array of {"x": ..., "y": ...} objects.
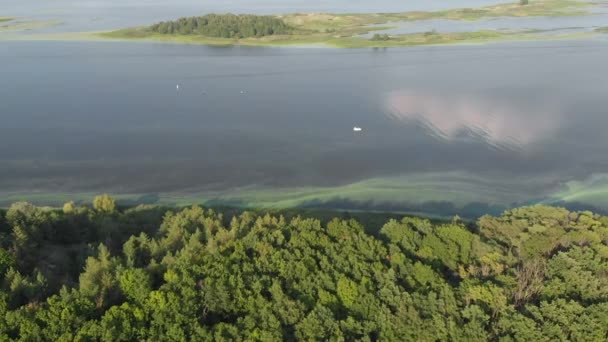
[{"x": 498, "y": 123}]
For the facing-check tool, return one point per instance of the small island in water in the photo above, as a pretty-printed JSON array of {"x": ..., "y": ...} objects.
[{"x": 356, "y": 30}]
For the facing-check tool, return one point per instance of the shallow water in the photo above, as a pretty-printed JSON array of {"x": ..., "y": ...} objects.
[
  {"x": 571, "y": 24},
  {"x": 106, "y": 116}
]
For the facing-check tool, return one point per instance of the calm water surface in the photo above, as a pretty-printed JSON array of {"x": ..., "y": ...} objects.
[
  {"x": 106, "y": 116},
  {"x": 523, "y": 119},
  {"x": 495, "y": 125}
]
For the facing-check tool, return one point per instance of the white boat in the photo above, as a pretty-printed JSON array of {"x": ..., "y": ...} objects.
[
  {"x": 357, "y": 129},
  {"x": 177, "y": 87}
]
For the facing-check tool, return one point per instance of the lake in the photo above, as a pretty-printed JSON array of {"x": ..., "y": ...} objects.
[{"x": 443, "y": 128}]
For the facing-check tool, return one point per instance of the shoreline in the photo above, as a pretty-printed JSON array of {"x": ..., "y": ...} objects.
[
  {"x": 10, "y": 25},
  {"x": 414, "y": 193},
  {"x": 408, "y": 40},
  {"x": 348, "y": 30},
  {"x": 323, "y": 30}
]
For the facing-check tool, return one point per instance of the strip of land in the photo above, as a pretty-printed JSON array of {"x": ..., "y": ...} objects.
[
  {"x": 347, "y": 30},
  {"x": 13, "y": 25},
  {"x": 331, "y": 30}
]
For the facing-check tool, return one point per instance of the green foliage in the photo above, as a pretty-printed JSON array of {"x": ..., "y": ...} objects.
[
  {"x": 380, "y": 37},
  {"x": 138, "y": 250},
  {"x": 224, "y": 26},
  {"x": 135, "y": 284},
  {"x": 104, "y": 204},
  {"x": 98, "y": 281},
  {"x": 69, "y": 207},
  {"x": 347, "y": 291},
  {"x": 7, "y": 261},
  {"x": 65, "y": 314},
  {"x": 538, "y": 231},
  {"x": 577, "y": 273},
  {"x": 24, "y": 289},
  {"x": 536, "y": 273}
]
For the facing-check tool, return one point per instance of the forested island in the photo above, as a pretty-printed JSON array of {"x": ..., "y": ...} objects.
[
  {"x": 350, "y": 30},
  {"x": 103, "y": 272},
  {"x": 225, "y": 26}
]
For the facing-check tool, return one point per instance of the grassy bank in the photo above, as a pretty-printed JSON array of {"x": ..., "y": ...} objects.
[
  {"x": 354, "y": 41},
  {"x": 337, "y": 22},
  {"x": 345, "y": 30},
  {"x": 3, "y": 19},
  {"x": 439, "y": 38},
  {"x": 64, "y": 36}
]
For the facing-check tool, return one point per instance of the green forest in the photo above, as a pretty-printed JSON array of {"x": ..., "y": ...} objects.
[
  {"x": 224, "y": 26},
  {"x": 102, "y": 272}
]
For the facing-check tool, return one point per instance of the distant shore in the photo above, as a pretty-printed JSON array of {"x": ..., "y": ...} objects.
[
  {"x": 416, "y": 39},
  {"x": 11, "y": 24},
  {"x": 348, "y": 30},
  {"x": 355, "y": 30}
]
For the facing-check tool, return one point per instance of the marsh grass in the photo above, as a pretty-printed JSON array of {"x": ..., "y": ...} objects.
[{"x": 351, "y": 40}]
